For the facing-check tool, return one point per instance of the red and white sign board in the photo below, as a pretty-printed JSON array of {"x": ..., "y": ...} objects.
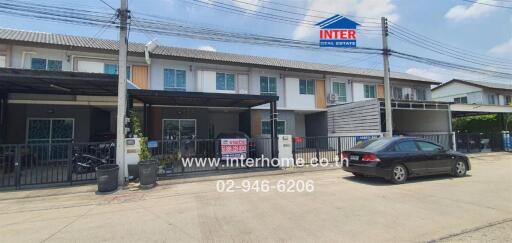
[{"x": 233, "y": 148}]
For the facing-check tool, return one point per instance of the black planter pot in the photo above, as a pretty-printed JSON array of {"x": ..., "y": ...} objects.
[
  {"x": 147, "y": 172},
  {"x": 106, "y": 177}
]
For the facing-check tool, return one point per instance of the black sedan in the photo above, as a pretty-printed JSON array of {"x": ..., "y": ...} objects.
[{"x": 398, "y": 158}]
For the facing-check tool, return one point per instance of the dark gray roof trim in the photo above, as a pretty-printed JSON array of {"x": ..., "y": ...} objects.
[{"x": 83, "y": 43}]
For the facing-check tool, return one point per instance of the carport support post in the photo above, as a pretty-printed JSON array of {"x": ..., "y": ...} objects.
[
  {"x": 121, "y": 92},
  {"x": 273, "y": 129},
  {"x": 387, "y": 86}
]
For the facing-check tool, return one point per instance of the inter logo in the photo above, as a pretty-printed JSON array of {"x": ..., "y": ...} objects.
[{"x": 338, "y": 31}]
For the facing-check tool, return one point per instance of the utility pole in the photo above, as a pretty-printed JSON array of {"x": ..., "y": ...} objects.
[
  {"x": 121, "y": 92},
  {"x": 387, "y": 86}
]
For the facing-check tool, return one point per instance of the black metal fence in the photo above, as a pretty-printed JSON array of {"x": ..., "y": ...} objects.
[
  {"x": 36, "y": 164},
  {"x": 176, "y": 157},
  {"x": 479, "y": 142},
  {"x": 310, "y": 150}
]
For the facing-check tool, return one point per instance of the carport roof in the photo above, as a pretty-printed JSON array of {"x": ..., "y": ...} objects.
[
  {"x": 95, "y": 84},
  {"x": 179, "y": 98}
]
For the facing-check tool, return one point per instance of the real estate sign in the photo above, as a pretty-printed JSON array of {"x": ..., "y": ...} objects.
[
  {"x": 233, "y": 148},
  {"x": 338, "y": 31}
]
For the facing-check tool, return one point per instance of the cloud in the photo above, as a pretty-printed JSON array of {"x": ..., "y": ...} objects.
[
  {"x": 364, "y": 8},
  {"x": 207, "y": 48},
  {"x": 503, "y": 48},
  {"x": 475, "y": 10}
]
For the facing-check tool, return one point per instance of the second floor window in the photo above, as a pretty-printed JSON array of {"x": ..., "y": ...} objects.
[
  {"x": 110, "y": 68},
  {"x": 225, "y": 81},
  {"x": 421, "y": 94},
  {"x": 397, "y": 93},
  {"x": 508, "y": 100},
  {"x": 175, "y": 80},
  {"x": 307, "y": 86},
  {"x": 369, "y": 91},
  {"x": 461, "y": 100},
  {"x": 340, "y": 90},
  {"x": 268, "y": 85},
  {"x": 44, "y": 64}
]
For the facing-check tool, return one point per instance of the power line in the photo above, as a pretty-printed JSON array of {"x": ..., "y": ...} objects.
[
  {"x": 488, "y": 4},
  {"x": 108, "y": 5}
]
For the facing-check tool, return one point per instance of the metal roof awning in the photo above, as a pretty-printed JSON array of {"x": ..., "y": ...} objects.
[
  {"x": 29, "y": 81},
  {"x": 199, "y": 99},
  {"x": 460, "y": 110},
  {"x": 57, "y": 82}
]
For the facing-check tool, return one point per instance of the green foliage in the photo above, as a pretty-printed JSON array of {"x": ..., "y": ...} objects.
[
  {"x": 482, "y": 123},
  {"x": 137, "y": 130}
]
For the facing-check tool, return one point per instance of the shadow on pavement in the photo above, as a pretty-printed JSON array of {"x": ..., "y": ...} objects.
[{"x": 376, "y": 181}]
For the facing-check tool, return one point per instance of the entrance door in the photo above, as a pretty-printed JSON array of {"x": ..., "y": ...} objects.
[
  {"x": 179, "y": 135},
  {"x": 52, "y": 134},
  {"x": 179, "y": 129}
]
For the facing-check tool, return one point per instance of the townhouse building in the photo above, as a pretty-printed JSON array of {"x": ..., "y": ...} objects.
[{"x": 310, "y": 97}]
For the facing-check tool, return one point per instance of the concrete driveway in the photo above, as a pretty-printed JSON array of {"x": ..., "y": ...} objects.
[{"x": 341, "y": 208}]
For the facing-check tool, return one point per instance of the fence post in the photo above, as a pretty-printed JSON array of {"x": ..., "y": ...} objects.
[
  {"x": 317, "y": 149},
  {"x": 339, "y": 150},
  {"x": 294, "y": 152},
  {"x": 70, "y": 163},
  {"x": 17, "y": 165}
]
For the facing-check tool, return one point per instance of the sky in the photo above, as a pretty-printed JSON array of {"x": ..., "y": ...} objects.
[{"x": 476, "y": 27}]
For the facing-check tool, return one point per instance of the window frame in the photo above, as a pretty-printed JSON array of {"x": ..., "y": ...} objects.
[
  {"x": 278, "y": 121},
  {"x": 340, "y": 99},
  {"x": 307, "y": 82},
  {"x": 27, "y": 139},
  {"x": 128, "y": 69},
  {"x": 46, "y": 62},
  {"x": 268, "y": 79},
  {"x": 374, "y": 91},
  {"x": 225, "y": 82},
  {"x": 424, "y": 94},
  {"x": 460, "y": 100},
  {"x": 175, "y": 87}
]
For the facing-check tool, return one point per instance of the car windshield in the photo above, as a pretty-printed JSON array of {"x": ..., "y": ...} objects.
[{"x": 372, "y": 145}]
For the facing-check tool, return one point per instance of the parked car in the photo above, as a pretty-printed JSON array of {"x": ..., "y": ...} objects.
[{"x": 399, "y": 158}]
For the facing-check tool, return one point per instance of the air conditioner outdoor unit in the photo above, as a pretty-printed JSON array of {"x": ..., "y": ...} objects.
[{"x": 332, "y": 97}]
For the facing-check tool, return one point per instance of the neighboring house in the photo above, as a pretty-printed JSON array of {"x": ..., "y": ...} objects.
[
  {"x": 305, "y": 90},
  {"x": 461, "y": 91}
]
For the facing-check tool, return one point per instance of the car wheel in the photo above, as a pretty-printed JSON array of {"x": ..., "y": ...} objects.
[
  {"x": 399, "y": 174},
  {"x": 459, "y": 169},
  {"x": 357, "y": 174}
]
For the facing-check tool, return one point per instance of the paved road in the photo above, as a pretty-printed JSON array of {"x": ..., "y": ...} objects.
[{"x": 341, "y": 208}]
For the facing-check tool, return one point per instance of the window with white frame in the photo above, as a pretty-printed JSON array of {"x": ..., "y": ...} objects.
[
  {"x": 50, "y": 130},
  {"x": 397, "y": 93},
  {"x": 421, "y": 94},
  {"x": 175, "y": 80},
  {"x": 111, "y": 68},
  {"x": 45, "y": 64},
  {"x": 225, "y": 81},
  {"x": 268, "y": 85},
  {"x": 340, "y": 89},
  {"x": 307, "y": 86},
  {"x": 266, "y": 128},
  {"x": 460, "y": 100},
  {"x": 370, "y": 91}
]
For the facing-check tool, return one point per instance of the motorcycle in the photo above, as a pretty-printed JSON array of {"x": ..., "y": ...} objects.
[{"x": 88, "y": 162}]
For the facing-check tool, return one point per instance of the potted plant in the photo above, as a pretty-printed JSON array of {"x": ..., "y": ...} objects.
[{"x": 148, "y": 167}]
